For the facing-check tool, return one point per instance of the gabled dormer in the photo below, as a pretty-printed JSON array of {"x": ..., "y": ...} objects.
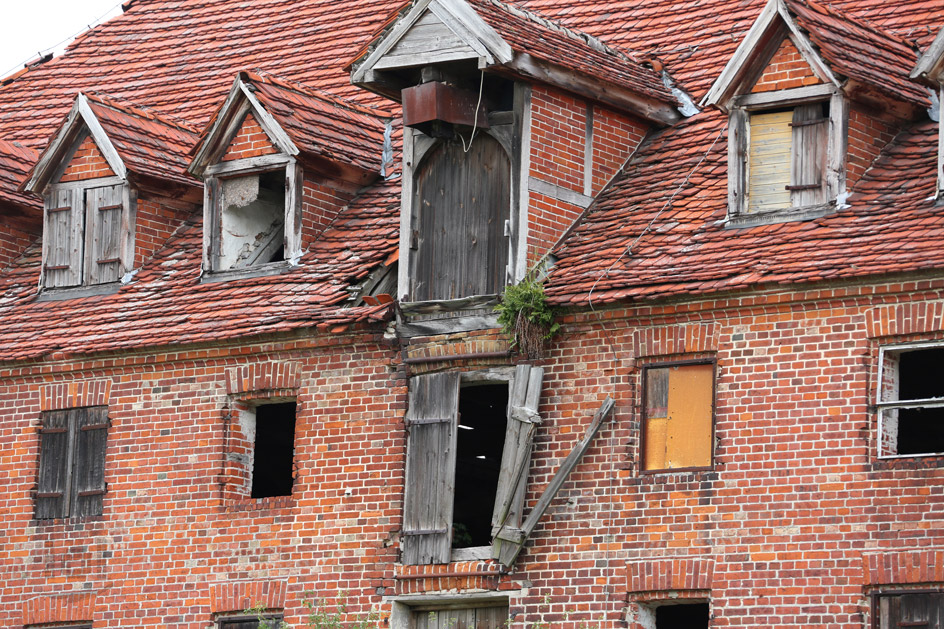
[
  {"x": 276, "y": 152},
  {"x": 512, "y": 125},
  {"x": 807, "y": 115},
  {"x": 930, "y": 71},
  {"x": 90, "y": 176}
]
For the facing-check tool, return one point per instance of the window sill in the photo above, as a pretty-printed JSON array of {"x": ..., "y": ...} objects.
[
  {"x": 262, "y": 270},
  {"x": 787, "y": 215},
  {"x": 472, "y": 553},
  {"x": 79, "y": 292},
  {"x": 908, "y": 462},
  {"x": 272, "y": 503}
]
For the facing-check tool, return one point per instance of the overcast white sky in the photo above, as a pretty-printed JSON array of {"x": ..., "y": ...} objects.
[{"x": 31, "y": 26}]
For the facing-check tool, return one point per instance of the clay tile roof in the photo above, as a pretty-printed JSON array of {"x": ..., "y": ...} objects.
[
  {"x": 528, "y": 32},
  {"x": 15, "y": 162},
  {"x": 148, "y": 143},
  {"x": 321, "y": 125},
  {"x": 660, "y": 231},
  {"x": 858, "y": 50}
]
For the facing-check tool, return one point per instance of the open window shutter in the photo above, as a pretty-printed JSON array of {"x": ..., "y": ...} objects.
[
  {"x": 109, "y": 224},
  {"x": 522, "y": 421},
  {"x": 432, "y": 419},
  {"x": 808, "y": 160},
  {"x": 89, "y": 466},
  {"x": 62, "y": 239},
  {"x": 512, "y": 546},
  {"x": 52, "y": 492}
]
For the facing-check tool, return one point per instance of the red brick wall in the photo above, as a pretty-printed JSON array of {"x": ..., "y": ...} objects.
[
  {"x": 87, "y": 163},
  {"x": 250, "y": 141},
  {"x": 13, "y": 242},
  {"x": 868, "y": 135},
  {"x": 548, "y": 219},
  {"x": 615, "y": 137},
  {"x": 792, "y": 526},
  {"x": 155, "y": 222},
  {"x": 321, "y": 203},
  {"x": 558, "y": 137},
  {"x": 787, "y": 69}
]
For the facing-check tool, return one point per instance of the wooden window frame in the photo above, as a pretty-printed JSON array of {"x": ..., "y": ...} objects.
[
  {"x": 741, "y": 108},
  {"x": 85, "y": 233},
  {"x": 404, "y": 607},
  {"x": 877, "y": 595},
  {"x": 70, "y": 492},
  {"x": 643, "y": 396},
  {"x": 230, "y": 618},
  {"x": 213, "y": 209},
  {"x": 883, "y": 406}
]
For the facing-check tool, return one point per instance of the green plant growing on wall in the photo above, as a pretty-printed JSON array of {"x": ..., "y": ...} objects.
[
  {"x": 320, "y": 616},
  {"x": 526, "y": 317}
]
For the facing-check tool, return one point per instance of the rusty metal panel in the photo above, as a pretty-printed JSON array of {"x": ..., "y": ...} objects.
[{"x": 440, "y": 101}]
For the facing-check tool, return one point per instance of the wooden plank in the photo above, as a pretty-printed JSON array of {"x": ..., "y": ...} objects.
[
  {"x": 294, "y": 194},
  {"x": 737, "y": 162},
  {"x": 510, "y": 551},
  {"x": 463, "y": 19},
  {"x": 689, "y": 430},
  {"x": 247, "y": 165},
  {"x": 106, "y": 217},
  {"x": 269, "y": 124},
  {"x": 808, "y": 155},
  {"x": 430, "y": 469},
  {"x": 101, "y": 138},
  {"x": 768, "y": 167},
  {"x": 89, "y": 462},
  {"x": 53, "y": 486},
  {"x": 837, "y": 146},
  {"x": 63, "y": 239},
  {"x": 785, "y": 98},
  {"x": 429, "y": 41}
]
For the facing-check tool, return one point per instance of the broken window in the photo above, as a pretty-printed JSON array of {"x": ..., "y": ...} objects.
[
  {"x": 273, "y": 451},
  {"x": 252, "y": 220},
  {"x": 443, "y": 617},
  {"x": 71, "y": 480},
  {"x": 87, "y": 235},
  {"x": 920, "y": 609},
  {"x": 911, "y": 401},
  {"x": 675, "y": 615},
  {"x": 678, "y": 421},
  {"x": 268, "y": 621}
]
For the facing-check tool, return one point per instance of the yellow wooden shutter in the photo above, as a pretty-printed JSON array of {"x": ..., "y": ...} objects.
[{"x": 769, "y": 161}]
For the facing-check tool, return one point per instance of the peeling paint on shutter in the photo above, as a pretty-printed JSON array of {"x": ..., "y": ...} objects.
[
  {"x": 109, "y": 221},
  {"x": 89, "y": 475},
  {"x": 769, "y": 161},
  {"x": 63, "y": 239},
  {"x": 810, "y": 136},
  {"x": 523, "y": 420},
  {"x": 432, "y": 420},
  {"x": 53, "y": 487}
]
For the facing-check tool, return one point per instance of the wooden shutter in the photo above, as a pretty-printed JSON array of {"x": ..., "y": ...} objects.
[
  {"x": 432, "y": 419},
  {"x": 63, "y": 238},
  {"x": 460, "y": 204},
  {"x": 469, "y": 618},
  {"x": 89, "y": 468},
  {"x": 808, "y": 162},
  {"x": 53, "y": 489},
  {"x": 109, "y": 221},
  {"x": 523, "y": 419},
  {"x": 912, "y": 610},
  {"x": 769, "y": 161},
  {"x": 251, "y": 623}
]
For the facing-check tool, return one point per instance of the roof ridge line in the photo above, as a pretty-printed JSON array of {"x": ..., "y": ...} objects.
[
  {"x": 143, "y": 111},
  {"x": 861, "y": 22},
  {"x": 314, "y": 92}
]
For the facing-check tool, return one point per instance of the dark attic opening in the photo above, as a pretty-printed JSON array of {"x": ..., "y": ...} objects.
[
  {"x": 481, "y": 437},
  {"x": 921, "y": 430},
  {"x": 253, "y": 220},
  {"x": 274, "y": 450},
  {"x": 686, "y": 616}
]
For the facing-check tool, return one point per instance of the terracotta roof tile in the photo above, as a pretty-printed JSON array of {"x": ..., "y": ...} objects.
[{"x": 15, "y": 161}]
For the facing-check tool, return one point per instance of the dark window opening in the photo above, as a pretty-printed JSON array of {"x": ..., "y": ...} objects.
[
  {"x": 688, "y": 616},
  {"x": 253, "y": 220},
  {"x": 273, "y": 451},
  {"x": 480, "y": 439},
  {"x": 916, "y": 429}
]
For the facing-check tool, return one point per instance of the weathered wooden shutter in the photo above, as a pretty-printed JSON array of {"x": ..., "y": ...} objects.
[
  {"x": 432, "y": 419},
  {"x": 88, "y": 480},
  {"x": 109, "y": 221},
  {"x": 468, "y": 618},
  {"x": 251, "y": 623},
  {"x": 53, "y": 488},
  {"x": 912, "y": 610},
  {"x": 769, "y": 161},
  {"x": 810, "y": 137},
  {"x": 523, "y": 419},
  {"x": 461, "y": 202},
  {"x": 63, "y": 238}
]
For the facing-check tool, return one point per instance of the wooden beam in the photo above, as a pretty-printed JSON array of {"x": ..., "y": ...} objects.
[
  {"x": 101, "y": 138},
  {"x": 930, "y": 67},
  {"x": 786, "y": 98},
  {"x": 269, "y": 124}
]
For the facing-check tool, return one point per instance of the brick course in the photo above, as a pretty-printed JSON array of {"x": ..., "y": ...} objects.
[
  {"x": 250, "y": 141},
  {"x": 786, "y": 69},
  {"x": 87, "y": 163}
]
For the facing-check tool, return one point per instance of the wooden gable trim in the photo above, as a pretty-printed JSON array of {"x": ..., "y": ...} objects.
[
  {"x": 761, "y": 42},
  {"x": 80, "y": 118},
  {"x": 238, "y": 104},
  {"x": 930, "y": 67}
]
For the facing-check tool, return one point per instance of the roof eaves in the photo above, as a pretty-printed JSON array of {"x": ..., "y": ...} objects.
[{"x": 930, "y": 66}]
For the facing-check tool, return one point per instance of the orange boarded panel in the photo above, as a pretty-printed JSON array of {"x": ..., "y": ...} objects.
[{"x": 688, "y": 437}]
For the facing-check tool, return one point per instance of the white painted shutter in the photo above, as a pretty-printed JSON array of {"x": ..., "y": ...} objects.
[
  {"x": 432, "y": 420},
  {"x": 63, "y": 240}
]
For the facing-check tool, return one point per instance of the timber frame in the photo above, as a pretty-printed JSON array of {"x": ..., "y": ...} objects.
[{"x": 207, "y": 165}]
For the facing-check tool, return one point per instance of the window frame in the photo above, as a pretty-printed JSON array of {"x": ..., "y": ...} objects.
[
  {"x": 643, "y": 417},
  {"x": 213, "y": 212},
  {"x": 740, "y": 110},
  {"x": 882, "y": 406},
  {"x": 234, "y": 618},
  {"x": 86, "y": 234},
  {"x": 876, "y": 597}
]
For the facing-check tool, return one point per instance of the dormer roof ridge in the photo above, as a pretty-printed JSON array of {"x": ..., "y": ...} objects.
[
  {"x": 862, "y": 22},
  {"x": 142, "y": 111},
  {"x": 313, "y": 92}
]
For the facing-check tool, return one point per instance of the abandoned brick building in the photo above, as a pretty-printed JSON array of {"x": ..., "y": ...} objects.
[{"x": 250, "y": 254}]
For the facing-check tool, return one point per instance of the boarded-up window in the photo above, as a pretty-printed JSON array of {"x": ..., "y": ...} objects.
[
  {"x": 87, "y": 235},
  {"x": 461, "y": 204},
  {"x": 462, "y": 618},
  {"x": 911, "y": 401},
  {"x": 266, "y": 622},
  {"x": 71, "y": 480},
  {"x": 923, "y": 609},
  {"x": 677, "y": 426},
  {"x": 787, "y": 158}
]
